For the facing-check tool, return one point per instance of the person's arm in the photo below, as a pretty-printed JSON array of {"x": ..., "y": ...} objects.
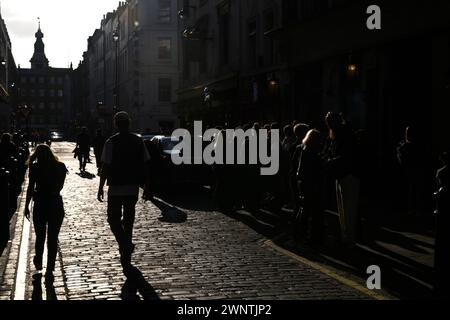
[
  {"x": 147, "y": 190},
  {"x": 30, "y": 191},
  {"x": 106, "y": 160},
  {"x": 103, "y": 177}
]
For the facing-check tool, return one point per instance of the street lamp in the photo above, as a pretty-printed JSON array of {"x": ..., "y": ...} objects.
[
  {"x": 116, "y": 40},
  {"x": 185, "y": 12},
  {"x": 26, "y": 111}
]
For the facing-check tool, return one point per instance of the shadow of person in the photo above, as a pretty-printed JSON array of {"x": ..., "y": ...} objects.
[
  {"x": 86, "y": 175},
  {"x": 169, "y": 213},
  {"x": 136, "y": 283},
  {"x": 37, "y": 287}
]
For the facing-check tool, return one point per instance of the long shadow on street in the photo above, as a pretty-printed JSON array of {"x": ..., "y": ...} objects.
[{"x": 136, "y": 283}]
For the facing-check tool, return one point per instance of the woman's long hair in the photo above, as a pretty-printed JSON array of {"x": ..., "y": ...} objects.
[{"x": 43, "y": 155}]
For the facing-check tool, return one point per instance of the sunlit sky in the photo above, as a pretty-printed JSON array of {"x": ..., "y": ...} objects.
[{"x": 66, "y": 25}]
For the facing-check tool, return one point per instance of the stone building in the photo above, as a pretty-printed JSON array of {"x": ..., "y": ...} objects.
[
  {"x": 133, "y": 66},
  {"x": 7, "y": 80},
  {"x": 45, "y": 92}
]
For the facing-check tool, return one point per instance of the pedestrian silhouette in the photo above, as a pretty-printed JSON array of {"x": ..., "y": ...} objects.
[
  {"x": 46, "y": 180},
  {"x": 442, "y": 243},
  {"x": 98, "y": 144},
  {"x": 82, "y": 148},
  {"x": 124, "y": 167},
  {"x": 343, "y": 167},
  {"x": 310, "y": 179}
]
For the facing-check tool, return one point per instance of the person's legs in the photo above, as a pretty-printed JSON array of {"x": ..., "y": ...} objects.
[
  {"x": 80, "y": 159},
  {"x": 40, "y": 229},
  {"x": 350, "y": 190},
  {"x": 340, "y": 208},
  {"x": 85, "y": 159},
  {"x": 98, "y": 157},
  {"x": 54, "y": 226},
  {"x": 129, "y": 212},
  {"x": 115, "y": 220}
]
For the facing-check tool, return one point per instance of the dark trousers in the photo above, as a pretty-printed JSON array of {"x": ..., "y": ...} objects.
[
  {"x": 121, "y": 214},
  {"x": 48, "y": 216},
  {"x": 310, "y": 217},
  {"x": 98, "y": 158},
  {"x": 83, "y": 157}
]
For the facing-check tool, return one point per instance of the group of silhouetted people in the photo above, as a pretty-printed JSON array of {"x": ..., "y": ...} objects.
[
  {"x": 307, "y": 158},
  {"x": 14, "y": 153}
]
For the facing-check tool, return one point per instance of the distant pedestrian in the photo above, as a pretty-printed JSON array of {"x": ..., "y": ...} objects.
[
  {"x": 310, "y": 180},
  {"x": 98, "y": 144},
  {"x": 300, "y": 131},
  {"x": 343, "y": 167},
  {"x": 290, "y": 140},
  {"x": 442, "y": 243},
  {"x": 125, "y": 167},
  {"x": 46, "y": 180},
  {"x": 410, "y": 157},
  {"x": 83, "y": 148}
]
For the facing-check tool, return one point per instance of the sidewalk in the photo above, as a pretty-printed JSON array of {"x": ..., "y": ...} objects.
[{"x": 403, "y": 251}]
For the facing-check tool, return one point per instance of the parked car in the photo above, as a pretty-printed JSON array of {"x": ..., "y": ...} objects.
[
  {"x": 56, "y": 135},
  {"x": 167, "y": 175}
]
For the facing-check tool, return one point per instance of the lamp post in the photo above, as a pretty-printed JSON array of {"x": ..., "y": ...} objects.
[
  {"x": 207, "y": 98},
  {"x": 116, "y": 39},
  {"x": 26, "y": 111}
]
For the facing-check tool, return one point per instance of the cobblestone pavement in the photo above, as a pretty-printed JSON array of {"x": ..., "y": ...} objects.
[{"x": 181, "y": 254}]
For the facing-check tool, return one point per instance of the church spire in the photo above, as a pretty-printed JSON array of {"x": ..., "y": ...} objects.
[{"x": 39, "y": 60}]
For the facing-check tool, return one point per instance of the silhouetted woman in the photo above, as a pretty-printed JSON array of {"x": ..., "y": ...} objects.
[
  {"x": 46, "y": 180},
  {"x": 310, "y": 179}
]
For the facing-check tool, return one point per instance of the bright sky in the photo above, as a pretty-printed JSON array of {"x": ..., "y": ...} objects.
[{"x": 66, "y": 25}]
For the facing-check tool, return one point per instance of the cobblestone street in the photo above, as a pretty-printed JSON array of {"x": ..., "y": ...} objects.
[{"x": 181, "y": 252}]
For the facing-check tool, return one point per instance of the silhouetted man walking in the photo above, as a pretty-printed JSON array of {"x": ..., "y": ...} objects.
[{"x": 124, "y": 167}]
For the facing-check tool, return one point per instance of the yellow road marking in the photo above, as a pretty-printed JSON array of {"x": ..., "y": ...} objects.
[{"x": 371, "y": 293}]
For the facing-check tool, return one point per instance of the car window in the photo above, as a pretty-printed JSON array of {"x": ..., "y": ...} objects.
[{"x": 168, "y": 144}]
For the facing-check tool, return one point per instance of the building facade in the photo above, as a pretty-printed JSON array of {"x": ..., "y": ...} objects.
[
  {"x": 247, "y": 61},
  {"x": 7, "y": 81},
  {"x": 132, "y": 62},
  {"x": 44, "y": 93},
  {"x": 228, "y": 61}
]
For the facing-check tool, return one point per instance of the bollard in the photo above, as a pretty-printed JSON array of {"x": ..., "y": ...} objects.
[{"x": 4, "y": 206}]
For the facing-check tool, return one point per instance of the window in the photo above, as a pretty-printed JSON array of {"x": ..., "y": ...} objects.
[
  {"x": 165, "y": 90},
  {"x": 269, "y": 24},
  {"x": 60, "y": 80},
  {"x": 224, "y": 33},
  {"x": 164, "y": 11},
  {"x": 41, "y": 93},
  {"x": 60, "y": 93},
  {"x": 41, "y": 106},
  {"x": 52, "y": 106},
  {"x": 164, "y": 48},
  {"x": 52, "y": 93},
  {"x": 252, "y": 43},
  {"x": 41, "y": 80},
  {"x": 23, "y": 80},
  {"x": 60, "y": 105},
  {"x": 32, "y": 93},
  {"x": 32, "y": 80},
  {"x": 52, "y": 80}
]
